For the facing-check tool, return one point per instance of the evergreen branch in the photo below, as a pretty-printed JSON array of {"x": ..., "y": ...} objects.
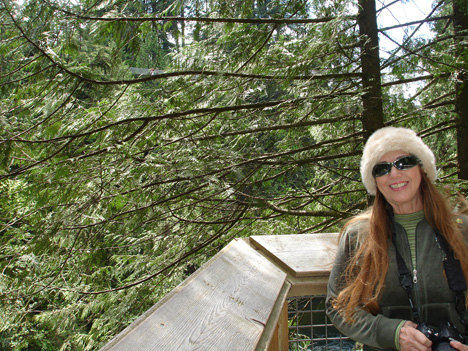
[
  {"x": 412, "y": 34},
  {"x": 411, "y": 51},
  {"x": 222, "y": 170},
  {"x": 47, "y": 118},
  {"x": 416, "y": 79},
  {"x": 177, "y": 74},
  {"x": 220, "y": 74},
  {"x": 22, "y": 170},
  {"x": 172, "y": 264},
  {"x": 426, "y": 20},
  {"x": 444, "y": 103},
  {"x": 32, "y": 60},
  {"x": 36, "y": 46},
  {"x": 438, "y": 98},
  {"x": 264, "y": 159},
  {"x": 265, "y": 42},
  {"x": 173, "y": 115},
  {"x": 335, "y": 220},
  {"x": 290, "y": 212},
  {"x": 274, "y": 127},
  {"x": 277, "y": 21}
]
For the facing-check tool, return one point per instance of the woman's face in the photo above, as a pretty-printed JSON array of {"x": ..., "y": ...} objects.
[{"x": 401, "y": 187}]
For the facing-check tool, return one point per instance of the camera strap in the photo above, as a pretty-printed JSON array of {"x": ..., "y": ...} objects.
[
  {"x": 455, "y": 278},
  {"x": 453, "y": 271}
]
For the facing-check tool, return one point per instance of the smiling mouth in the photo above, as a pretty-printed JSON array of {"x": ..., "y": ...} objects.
[{"x": 398, "y": 185}]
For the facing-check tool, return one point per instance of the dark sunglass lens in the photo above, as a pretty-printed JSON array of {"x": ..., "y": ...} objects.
[
  {"x": 406, "y": 162},
  {"x": 381, "y": 169}
]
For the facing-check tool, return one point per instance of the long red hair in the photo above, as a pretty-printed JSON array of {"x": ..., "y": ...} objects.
[{"x": 364, "y": 278}]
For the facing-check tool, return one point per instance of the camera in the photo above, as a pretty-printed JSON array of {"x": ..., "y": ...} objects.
[{"x": 441, "y": 338}]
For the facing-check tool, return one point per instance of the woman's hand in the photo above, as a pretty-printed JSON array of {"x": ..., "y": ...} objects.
[
  {"x": 458, "y": 345},
  {"x": 412, "y": 339}
]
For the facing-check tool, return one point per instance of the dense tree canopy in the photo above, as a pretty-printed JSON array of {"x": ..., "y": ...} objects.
[{"x": 137, "y": 138}]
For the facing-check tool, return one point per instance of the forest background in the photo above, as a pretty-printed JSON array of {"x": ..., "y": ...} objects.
[{"x": 137, "y": 138}]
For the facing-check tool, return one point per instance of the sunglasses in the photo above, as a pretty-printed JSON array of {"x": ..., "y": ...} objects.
[{"x": 402, "y": 163}]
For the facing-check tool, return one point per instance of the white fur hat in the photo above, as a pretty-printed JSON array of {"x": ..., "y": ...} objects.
[{"x": 392, "y": 139}]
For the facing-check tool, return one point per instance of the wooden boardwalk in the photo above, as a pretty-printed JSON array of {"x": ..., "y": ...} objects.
[{"x": 238, "y": 299}]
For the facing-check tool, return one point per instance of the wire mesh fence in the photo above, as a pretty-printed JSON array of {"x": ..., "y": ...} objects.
[{"x": 310, "y": 328}]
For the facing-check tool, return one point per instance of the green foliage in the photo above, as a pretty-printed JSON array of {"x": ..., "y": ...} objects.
[{"x": 116, "y": 187}]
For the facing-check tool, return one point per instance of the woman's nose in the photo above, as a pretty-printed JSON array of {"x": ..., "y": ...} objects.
[{"x": 394, "y": 172}]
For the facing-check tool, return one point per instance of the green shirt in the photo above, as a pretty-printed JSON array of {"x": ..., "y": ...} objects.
[{"x": 409, "y": 222}]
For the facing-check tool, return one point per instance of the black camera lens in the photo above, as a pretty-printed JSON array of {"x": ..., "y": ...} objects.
[{"x": 447, "y": 331}]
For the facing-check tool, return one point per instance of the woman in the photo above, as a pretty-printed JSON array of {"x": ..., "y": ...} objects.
[{"x": 389, "y": 275}]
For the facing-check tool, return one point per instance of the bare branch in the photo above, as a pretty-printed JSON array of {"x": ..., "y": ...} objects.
[{"x": 426, "y": 20}]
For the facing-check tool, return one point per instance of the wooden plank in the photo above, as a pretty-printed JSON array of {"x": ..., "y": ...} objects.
[
  {"x": 225, "y": 305},
  {"x": 305, "y": 286},
  {"x": 280, "y": 339},
  {"x": 277, "y": 324},
  {"x": 283, "y": 329},
  {"x": 301, "y": 255}
]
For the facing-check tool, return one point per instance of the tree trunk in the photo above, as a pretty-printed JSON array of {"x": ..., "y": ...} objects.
[
  {"x": 372, "y": 117},
  {"x": 460, "y": 21}
]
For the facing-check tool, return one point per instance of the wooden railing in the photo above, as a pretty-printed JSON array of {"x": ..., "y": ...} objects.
[{"x": 238, "y": 299}]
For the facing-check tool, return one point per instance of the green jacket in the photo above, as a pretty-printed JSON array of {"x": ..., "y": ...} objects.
[{"x": 431, "y": 292}]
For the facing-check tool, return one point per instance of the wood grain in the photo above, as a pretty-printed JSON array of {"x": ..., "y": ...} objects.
[
  {"x": 225, "y": 305},
  {"x": 301, "y": 255}
]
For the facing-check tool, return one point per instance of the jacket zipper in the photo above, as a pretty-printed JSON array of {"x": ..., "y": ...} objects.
[{"x": 415, "y": 268}]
